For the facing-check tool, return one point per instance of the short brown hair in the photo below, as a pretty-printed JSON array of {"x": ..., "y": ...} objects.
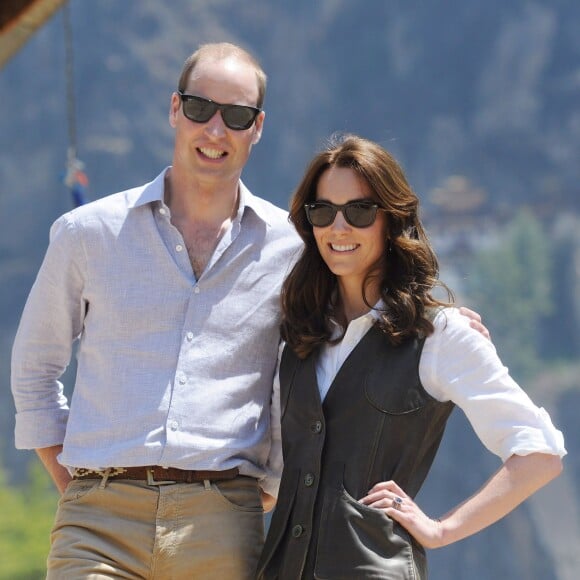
[{"x": 221, "y": 51}]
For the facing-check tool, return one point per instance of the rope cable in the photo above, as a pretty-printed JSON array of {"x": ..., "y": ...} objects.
[
  {"x": 75, "y": 178},
  {"x": 70, "y": 92}
]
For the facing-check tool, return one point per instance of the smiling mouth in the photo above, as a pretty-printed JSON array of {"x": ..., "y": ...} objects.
[
  {"x": 211, "y": 153},
  {"x": 343, "y": 247}
]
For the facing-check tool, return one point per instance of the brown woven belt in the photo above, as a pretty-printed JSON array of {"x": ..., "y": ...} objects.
[{"x": 156, "y": 475}]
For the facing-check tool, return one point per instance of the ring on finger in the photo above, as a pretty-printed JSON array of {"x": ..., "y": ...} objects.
[{"x": 397, "y": 502}]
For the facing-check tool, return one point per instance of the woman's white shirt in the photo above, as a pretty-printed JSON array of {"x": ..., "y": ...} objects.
[{"x": 459, "y": 364}]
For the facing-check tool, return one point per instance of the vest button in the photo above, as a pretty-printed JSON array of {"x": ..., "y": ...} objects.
[
  {"x": 308, "y": 479},
  {"x": 297, "y": 531},
  {"x": 316, "y": 427}
]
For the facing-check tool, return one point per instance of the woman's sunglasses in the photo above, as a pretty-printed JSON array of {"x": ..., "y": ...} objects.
[
  {"x": 200, "y": 110},
  {"x": 359, "y": 214}
]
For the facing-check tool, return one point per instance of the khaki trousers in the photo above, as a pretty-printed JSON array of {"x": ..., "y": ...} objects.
[{"x": 127, "y": 529}]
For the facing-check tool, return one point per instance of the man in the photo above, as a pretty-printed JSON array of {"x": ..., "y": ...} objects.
[{"x": 172, "y": 289}]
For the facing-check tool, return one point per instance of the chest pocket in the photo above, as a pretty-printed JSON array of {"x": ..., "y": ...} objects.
[{"x": 392, "y": 384}]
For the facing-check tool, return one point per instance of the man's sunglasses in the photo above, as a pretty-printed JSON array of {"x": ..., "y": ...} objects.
[
  {"x": 200, "y": 110},
  {"x": 359, "y": 214}
]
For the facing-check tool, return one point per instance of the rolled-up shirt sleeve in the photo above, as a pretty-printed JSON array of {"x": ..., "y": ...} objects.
[
  {"x": 460, "y": 365},
  {"x": 51, "y": 320}
]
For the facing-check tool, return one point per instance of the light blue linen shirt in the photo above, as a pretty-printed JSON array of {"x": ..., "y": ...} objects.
[{"x": 172, "y": 371}]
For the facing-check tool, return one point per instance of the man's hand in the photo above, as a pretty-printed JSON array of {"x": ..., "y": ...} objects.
[
  {"x": 59, "y": 474},
  {"x": 268, "y": 501},
  {"x": 475, "y": 321}
]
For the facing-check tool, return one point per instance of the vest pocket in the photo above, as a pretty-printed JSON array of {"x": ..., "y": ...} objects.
[
  {"x": 357, "y": 541},
  {"x": 398, "y": 399},
  {"x": 392, "y": 384}
]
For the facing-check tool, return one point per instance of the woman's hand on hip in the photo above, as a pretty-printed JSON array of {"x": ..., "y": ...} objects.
[{"x": 393, "y": 501}]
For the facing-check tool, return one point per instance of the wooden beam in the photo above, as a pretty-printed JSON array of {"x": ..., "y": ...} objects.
[{"x": 20, "y": 20}]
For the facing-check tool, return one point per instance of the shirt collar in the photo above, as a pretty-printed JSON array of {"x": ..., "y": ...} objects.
[
  {"x": 154, "y": 192},
  {"x": 150, "y": 192},
  {"x": 254, "y": 203},
  {"x": 363, "y": 322}
]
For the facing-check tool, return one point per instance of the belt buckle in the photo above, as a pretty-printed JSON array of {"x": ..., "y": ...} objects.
[{"x": 152, "y": 481}]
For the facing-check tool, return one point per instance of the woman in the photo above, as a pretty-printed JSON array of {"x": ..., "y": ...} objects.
[{"x": 373, "y": 365}]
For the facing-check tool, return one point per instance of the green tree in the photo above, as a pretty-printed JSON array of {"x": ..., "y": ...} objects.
[
  {"x": 510, "y": 285},
  {"x": 27, "y": 516}
]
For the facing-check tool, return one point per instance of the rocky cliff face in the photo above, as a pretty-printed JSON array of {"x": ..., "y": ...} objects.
[{"x": 485, "y": 90}]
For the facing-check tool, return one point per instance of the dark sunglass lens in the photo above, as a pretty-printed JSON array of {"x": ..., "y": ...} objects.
[
  {"x": 238, "y": 117},
  {"x": 360, "y": 215},
  {"x": 321, "y": 215},
  {"x": 199, "y": 110}
]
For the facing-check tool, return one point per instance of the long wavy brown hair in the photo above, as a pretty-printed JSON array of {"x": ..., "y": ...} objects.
[{"x": 408, "y": 269}]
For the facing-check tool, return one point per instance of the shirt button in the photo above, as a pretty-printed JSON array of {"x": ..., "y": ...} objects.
[
  {"x": 189, "y": 336},
  {"x": 182, "y": 380},
  {"x": 316, "y": 427},
  {"x": 174, "y": 425},
  {"x": 162, "y": 211},
  {"x": 179, "y": 247},
  {"x": 196, "y": 290},
  {"x": 308, "y": 479},
  {"x": 297, "y": 530}
]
